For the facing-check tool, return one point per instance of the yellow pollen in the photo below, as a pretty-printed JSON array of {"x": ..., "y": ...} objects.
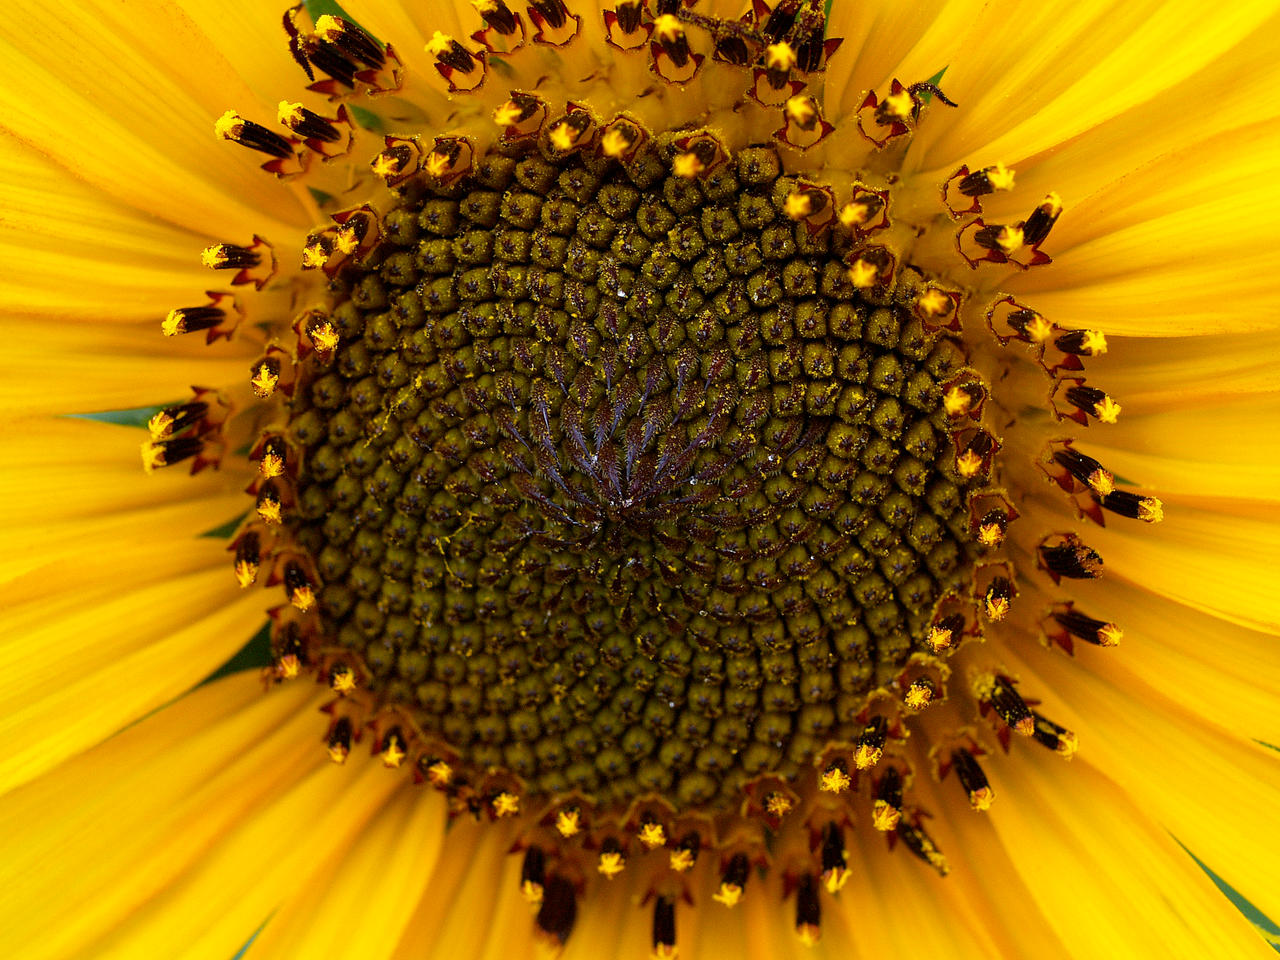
[
  {"x": 835, "y": 879},
  {"x": 437, "y": 166},
  {"x": 329, "y": 27},
  {"x": 939, "y": 638},
  {"x": 730, "y": 894},
  {"x": 1025, "y": 726},
  {"x": 1107, "y": 410},
  {"x": 532, "y": 892},
  {"x": 956, "y": 401},
  {"x": 288, "y": 667},
  {"x": 324, "y": 337},
  {"x": 990, "y": 535},
  {"x": 1102, "y": 482},
  {"x": 898, "y": 105},
  {"x": 1151, "y": 510},
  {"x": 778, "y": 805},
  {"x": 439, "y": 43},
  {"x": 801, "y": 109},
  {"x": 867, "y": 756},
  {"x": 653, "y": 835},
  {"x": 863, "y": 275},
  {"x": 338, "y": 753},
  {"x": 1068, "y": 743},
  {"x": 176, "y": 322},
  {"x": 347, "y": 241},
  {"x": 854, "y": 214},
  {"x": 246, "y": 573},
  {"x": 484, "y": 6},
  {"x": 809, "y": 934},
  {"x": 507, "y": 115},
  {"x": 968, "y": 463},
  {"x": 385, "y": 165},
  {"x": 152, "y": 456},
  {"x": 214, "y": 256},
  {"x": 885, "y": 816},
  {"x": 834, "y": 780},
  {"x": 933, "y": 303},
  {"x": 289, "y": 113},
  {"x": 160, "y": 425},
  {"x": 1009, "y": 238},
  {"x": 997, "y": 608},
  {"x": 917, "y": 697},
  {"x": 1095, "y": 343},
  {"x": 440, "y": 774},
  {"x": 982, "y": 798},
  {"x": 614, "y": 143},
  {"x": 303, "y": 598},
  {"x": 563, "y": 137},
  {"x": 666, "y": 951},
  {"x": 229, "y": 126},
  {"x": 343, "y": 680},
  {"x": 271, "y": 465},
  {"x": 780, "y": 56},
  {"x": 1110, "y": 635},
  {"x": 569, "y": 822},
  {"x": 263, "y": 381},
  {"x": 1051, "y": 204},
  {"x": 667, "y": 27},
  {"x": 1039, "y": 329},
  {"x": 1000, "y": 177},
  {"x": 314, "y": 256},
  {"x": 681, "y": 860},
  {"x": 393, "y": 753},
  {"x": 798, "y": 205},
  {"x": 687, "y": 165},
  {"x": 506, "y": 804},
  {"x": 611, "y": 864},
  {"x": 270, "y": 512}
]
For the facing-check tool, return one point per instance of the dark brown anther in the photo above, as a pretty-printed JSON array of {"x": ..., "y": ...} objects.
[
  {"x": 736, "y": 873},
  {"x": 231, "y": 126},
  {"x": 732, "y": 49},
  {"x": 498, "y": 16},
  {"x": 1037, "y": 226},
  {"x": 554, "y": 12},
  {"x": 307, "y": 123},
  {"x": 1030, "y": 326},
  {"x": 997, "y": 237},
  {"x": 340, "y": 740},
  {"x": 1133, "y": 506},
  {"x": 945, "y": 633},
  {"x": 1082, "y": 343},
  {"x": 354, "y": 45},
  {"x": 972, "y": 778},
  {"x": 450, "y": 55},
  {"x": 664, "y": 928},
  {"x": 1057, "y": 738},
  {"x": 997, "y": 598},
  {"x": 191, "y": 319},
  {"x": 1009, "y": 705},
  {"x": 670, "y": 37},
  {"x": 628, "y": 13},
  {"x": 533, "y": 874},
  {"x": 1098, "y": 632},
  {"x": 559, "y": 908},
  {"x": 921, "y": 844},
  {"x": 1085, "y": 469},
  {"x": 172, "y": 421},
  {"x": 985, "y": 181},
  {"x": 1093, "y": 402},
  {"x": 165, "y": 453},
  {"x": 1071, "y": 559},
  {"x": 886, "y": 812},
  {"x": 298, "y": 588},
  {"x": 268, "y": 504},
  {"x": 808, "y": 910},
  {"x": 248, "y": 559},
  {"x": 871, "y": 743},
  {"x": 228, "y": 256},
  {"x": 835, "y": 872},
  {"x": 780, "y": 20},
  {"x": 992, "y": 527}
]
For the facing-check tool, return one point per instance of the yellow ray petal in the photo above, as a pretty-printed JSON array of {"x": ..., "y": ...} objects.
[
  {"x": 130, "y": 112},
  {"x": 1176, "y": 372},
  {"x": 169, "y": 787},
  {"x": 1110, "y": 881},
  {"x": 248, "y": 35},
  {"x": 1044, "y": 74}
]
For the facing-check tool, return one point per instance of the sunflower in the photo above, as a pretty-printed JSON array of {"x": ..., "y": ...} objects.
[{"x": 688, "y": 457}]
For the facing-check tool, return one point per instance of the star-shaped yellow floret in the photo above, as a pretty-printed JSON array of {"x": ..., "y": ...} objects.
[
  {"x": 918, "y": 696},
  {"x": 834, "y": 780},
  {"x": 778, "y": 805},
  {"x": 614, "y": 143},
  {"x": 1009, "y": 238},
  {"x": 939, "y": 638},
  {"x": 1039, "y": 329},
  {"x": 1000, "y": 177},
  {"x": 730, "y": 894},
  {"x": 933, "y": 302},
  {"x": 1109, "y": 635},
  {"x": 174, "y": 323},
  {"x": 289, "y": 113},
  {"x": 885, "y": 816},
  {"x": 314, "y": 256},
  {"x": 863, "y": 275},
  {"x": 1107, "y": 410},
  {"x": 1095, "y": 343},
  {"x": 563, "y": 137},
  {"x": 324, "y": 337},
  {"x": 1068, "y": 743},
  {"x": 956, "y": 401},
  {"x": 246, "y": 573},
  {"x": 385, "y": 165},
  {"x": 687, "y": 165},
  {"x": 780, "y": 56},
  {"x": 798, "y": 205},
  {"x": 982, "y": 798},
  {"x": 214, "y": 256},
  {"x": 439, "y": 43},
  {"x": 271, "y": 465},
  {"x": 338, "y": 752},
  {"x": 440, "y": 774},
  {"x": 229, "y": 126},
  {"x": 532, "y": 892},
  {"x": 835, "y": 879},
  {"x": 867, "y": 755},
  {"x": 802, "y": 109},
  {"x": 569, "y": 822},
  {"x": 303, "y": 598},
  {"x": 611, "y": 864},
  {"x": 898, "y": 104},
  {"x": 681, "y": 859},
  {"x": 997, "y": 608},
  {"x": 288, "y": 667},
  {"x": 437, "y": 165},
  {"x": 393, "y": 753},
  {"x": 809, "y": 934},
  {"x": 968, "y": 463},
  {"x": 506, "y": 804},
  {"x": 990, "y": 534},
  {"x": 343, "y": 680},
  {"x": 653, "y": 835}
]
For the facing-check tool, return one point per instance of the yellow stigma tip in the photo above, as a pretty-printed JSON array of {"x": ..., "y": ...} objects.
[
  {"x": 798, "y": 205},
  {"x": 990, "y": 535},
  {"x": 863, "y": 275},
  {"x": 507, "y": 115},
  {"x": 917, "y": 698},
  {"x": 562, "y": 137},
  {"x": 834, "y": 780},
  {"x": 680, "y": 860},
  {"x": 568, "y": 822},
  {"x": 393, "y": 754},
  {"x": 1107, "y": 410},
  {"x": 667, "y": 27},
  {"x": 982, "y": 798},
  {"x": 1000, "y": 177},
  {"x": 176, "y": 320},
  {"x": 348, "y": 241},
  {"x": 343, "y": 680},
  {"x": 338, "y": 753},
  {"x": 835, "y": 879},
  {"x": 506, "y": 804},
  {"x": 898, "y": 105},
  {"x": 271, "y": 465},
  {"x": 809, "y": 934},
  {"x": 997, "y": 608},
  {"x": 1102, "y": 482},
  {"x": 611, "y": 864},
  {"x": 885, "y": 817},
  {"x": 687, "y": 165},
  {"x": 324, "y": 337},
  {"x": 214, "y": 256},
  {"x": 229, "y": 126},
  {"x": 437, "y": 166},
  {"x": 801, "y": 109},
  {"x": 288, "y": 667},
  {"x": 532, "y": 892},
  {"x": 1095, "y": 343},
  {"x": 666, "y": 951},
  {"x": 246, "y": 573},
  {"x": 1068, "y": 744},
  {"x": 440, "y": 774},
  {"x": 730, "y": 894},
  {"x": 1150, "y": 510},
  {"x": 264, "y": 382},
  {"x": 968, "y": 464},
  {"x": 1039, "y": 329},
  {"x": 314, "y": 256},
  {"x": 270, "y": 512},
  {"x": 653, "y": 835},
  {"x": 385, "y": 165},
  {"x": 328, "y": 26},
  {"x": 289, "y": 113},
  {"x": 439, "y": 43},
  {"x": 956, "y": 402},
  {"x": 160, "y": 425},
  {"x": 778, "y": 805},
  {"x": 933, "y": 303},
  {"x": 1110, "y": 635},
  {"x": 939, "y": 638},
  {"x": 780, "y": 56},
  {"x": 854, "y": 214},
  {"x": 303, "y": 599},
  {"x": 1009, "y": 238},
  {"x": 614, "y": 143},
  {"x": 866, "y": 756}
]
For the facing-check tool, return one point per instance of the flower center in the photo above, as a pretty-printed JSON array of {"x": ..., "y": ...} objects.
[{"x": 615, "y": 480}]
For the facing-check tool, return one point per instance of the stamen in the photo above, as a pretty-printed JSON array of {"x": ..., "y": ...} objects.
[
  {"x": 733, "y": 881},
  {"x": 559, "y": 908},
  {"x": 269, "y": 506},
  {"x": 1058, "y": 739},
  {"x": 171, "y": 421},
  {"x": 1041, "y": 221},
  {"x": 342, "y": 679},
  {"x": 664, "y": 929},
  {"x": 972, "y": 779},
  {"x": 1094, "y": 402},
  {"x": 265, "y": 377},
  {"x": 1087, "y": 470},
  {"x": 835, "y": 779},
  {"x": 945, "y": 632},
  {"x": 248, "y": 559},
  {"x": 921, "y": 844},
  {"x": 808, "y": 911},
  {"x": 249, "y": 261},
  {"x": 871, "y": 743},
  {"x": 1009, "y": 705},
  {"x": 231, "y": 126},
  {"x": 298, "y": 588},
  {"x": 835, "y": 872},
  {"x": 612, "y": 860},
  {"x": 1086, "y": 343},
  {"x": 352, "y": 42},
  {"x": 685, "y": 854},
  {"x": 996, "y": 600},
  {"x": 987, "y": 180},
  {"x": 165, "y": 453},
  {"x": 497, "y": 15},
  {"x": 921, "y": 692},
  {"x": 394, "y": 749},
  {"x": 1126, "y": 504},
  {"x": 340, "y": 740},
  {"x": 1071, "y": 559},
  {"x": 1098, "y": 632},
  {"x": 533, "y": 874},
  {"x": 886, "y": 813},
  {"x": 190, "y": 319}
]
